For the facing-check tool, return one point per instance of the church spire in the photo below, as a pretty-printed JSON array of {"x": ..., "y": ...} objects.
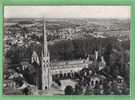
[
  {"x": 45, "y": 51},
  {"x": 46, "y": 70}
]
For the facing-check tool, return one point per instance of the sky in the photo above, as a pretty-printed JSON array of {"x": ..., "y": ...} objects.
[{"x": 120, "y": 12}]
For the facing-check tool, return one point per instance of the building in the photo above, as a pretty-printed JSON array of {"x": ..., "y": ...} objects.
[
  {"x": 69, "y": 66},
  {"x": 38, "y": 56},
  {"x": 46, "y": 72}
]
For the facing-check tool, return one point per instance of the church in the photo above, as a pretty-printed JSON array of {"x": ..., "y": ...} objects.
[
  {"x": 39, "y": 56},
  {"x": 48, "y": 69}
]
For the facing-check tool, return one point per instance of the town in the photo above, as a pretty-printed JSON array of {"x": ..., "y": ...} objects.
[{"x": 85, "y": 56}]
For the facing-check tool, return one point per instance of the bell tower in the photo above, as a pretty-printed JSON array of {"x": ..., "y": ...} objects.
[{"x": 46, "y": 69}]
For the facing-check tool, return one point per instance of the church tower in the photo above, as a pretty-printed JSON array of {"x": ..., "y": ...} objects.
[{"x": 46, "y": 69}]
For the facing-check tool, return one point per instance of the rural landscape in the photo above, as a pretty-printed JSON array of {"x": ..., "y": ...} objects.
[{"x": 87, "y": 56}]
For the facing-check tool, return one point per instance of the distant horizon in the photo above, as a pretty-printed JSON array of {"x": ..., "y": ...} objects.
[{"x": 65, "y": 18}]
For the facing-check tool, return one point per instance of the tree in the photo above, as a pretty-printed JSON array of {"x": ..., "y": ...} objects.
[
  {"x": 107, "y": 52},
  {"x": 78, "y": 90},
  {"x": 29, "y": 72},
  {"x": 68, "y": 90},
  {"x": 89, "y": 91}
]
